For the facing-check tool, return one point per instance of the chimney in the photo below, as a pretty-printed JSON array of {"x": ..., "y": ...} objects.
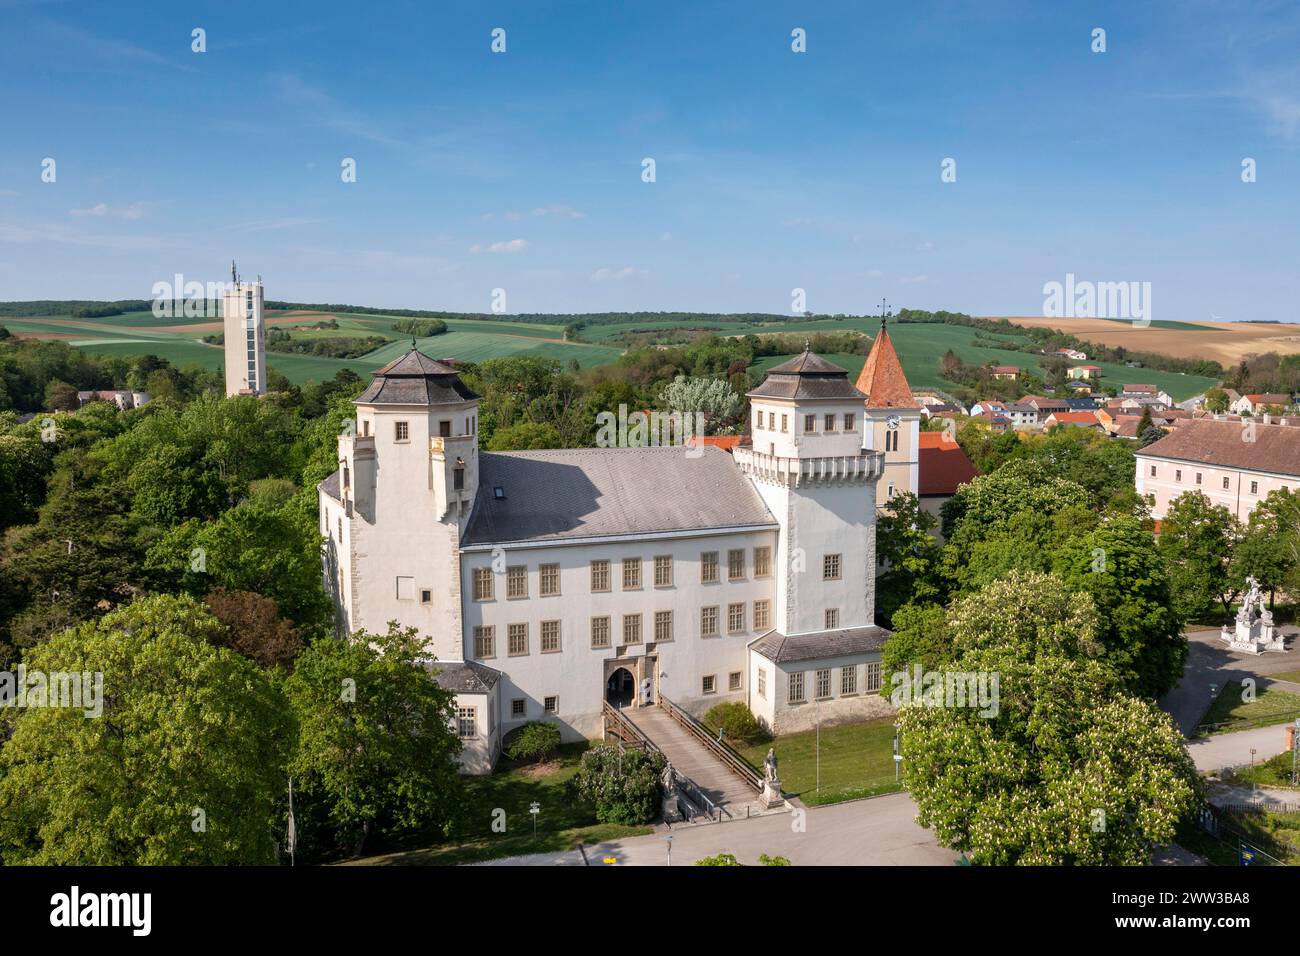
[{"x": 1267, "y": 418}]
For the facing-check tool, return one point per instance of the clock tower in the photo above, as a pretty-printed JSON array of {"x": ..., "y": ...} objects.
[{"x": 892, "y": 419}]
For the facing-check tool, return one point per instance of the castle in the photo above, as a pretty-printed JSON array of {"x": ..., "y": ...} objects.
[{"x": 548, "y": 583}]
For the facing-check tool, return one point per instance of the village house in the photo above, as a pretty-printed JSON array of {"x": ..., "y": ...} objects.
[
  {"x": 123, "y": 399},
  {"x": 1258, "y": 402},
  {"x": 1233, "y": 464},
  {"x": 1073, "y": 354},
  {"x": 1084, "y": 372},
  {"x": 1076, "y": 419},
  {"x": 1005, "y": 372}
]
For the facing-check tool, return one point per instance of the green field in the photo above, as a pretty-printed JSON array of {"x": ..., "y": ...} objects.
[{"x": 920, "y": 345}]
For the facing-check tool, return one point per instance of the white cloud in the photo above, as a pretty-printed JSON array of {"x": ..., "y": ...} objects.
[
  {"x": 924, "y": 246},
  {"x": 133, "y": 211},
  {"x": 873, "y": 273},
  {"x": 558, "y": 210},
  {"x": 627, "y": 272},
  {"x": 912, "y": 280},
  {"x": 497, "y": 248}
]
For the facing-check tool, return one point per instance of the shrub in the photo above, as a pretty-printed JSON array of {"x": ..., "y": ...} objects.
[
  {"x": 420, "y": 328},
  {"x": 623, "y": 787},
  {"x": 535, "y": 741},
  {"x": 739, "y": 725},
  {"x": 722, "y": 859}
]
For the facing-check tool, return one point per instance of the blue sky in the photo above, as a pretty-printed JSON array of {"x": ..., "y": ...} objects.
[{"x": 775, "y": 170}]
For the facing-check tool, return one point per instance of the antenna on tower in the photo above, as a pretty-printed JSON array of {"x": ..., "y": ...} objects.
[{"x": 234, "y": 276}]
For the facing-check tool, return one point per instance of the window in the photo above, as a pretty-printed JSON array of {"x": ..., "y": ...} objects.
[
  {"x": 709, "y": 567},
  {"x": 762, "y": 682},
  {"x": 762, "y": 614},
  {"x": 1198, "y": 477},
  {"x": 548, "y": 580},
  {"x": 889, "y": 492},
  {"x": 832, "y": 618},
  {"x": 485, "y": 641},
  {"x": 518, "y": 708},
  {"x": 810, "y": 423},
  {"x": 482, "y": 584},
  {"x": 830, "y": 423},
  {"x": 551, "y": 704},
  {"x": 785, "y": 423},
  {"x": 663, "y": 625},
  {"x": 708, "y": 622},
  {"x": 444, "y": 429},
  {"x": 405, "y": 589},
  {"x": 758, "y": 421},
  {"x": 631, "y": 628},
  {"x": 762, "y": 562},
  {"x": 516, "y": 582},
  {"x": 1225, "y": 484},
  {"x": 796, "y": 688},
  {"x": 1153, "y": 471},
  {"x": 830, "y": 567},
  {"x": 631, "y": 574},
  {"x": 735, "y": 618},
  {"x": 848, "y": 681},
  {"x": 426, "y": 596},
  {"x": 1178, "y": 474},
  {"x": 663, "y": 571},
  {"x": 1254, "y": 487},
  {"x": 891, "y": 441},
  {"x": 709, "y": 684},
  {"x": 518, "y": 639},
  {"x": 466, "y": 724},
  {"x": 550, "y": 637},
  {"x": 873, "y": 678},
  {"x": 771, "y": 421},
  {"x": 736, "y": 564},
  {"x": 458, "y": 479},
  {"x": 848, "y": 422},
  {"x": 401, "y": 431},
  {"x": 823, "y": 683},
  {"x": 600, "y": 575},
  {"x": 733, "y": 681},
  {"x": 600, "y": 632}
]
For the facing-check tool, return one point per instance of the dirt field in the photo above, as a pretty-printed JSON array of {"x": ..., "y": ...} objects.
[{"x": 1224, "y": 342}]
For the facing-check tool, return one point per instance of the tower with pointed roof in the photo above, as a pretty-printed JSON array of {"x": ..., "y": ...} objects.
[
  {"x": 893, "y": 418},
  {"x": 408, "y": 474}
]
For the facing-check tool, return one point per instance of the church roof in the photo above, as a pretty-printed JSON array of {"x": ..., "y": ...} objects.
[
  {"x": 820, "y": 645},
  {"x": 610, "y": 492},
  {"x": 416, "y": 379},
  {"x": 806, "y": 376},
  {"x": 882, "y": 379}
]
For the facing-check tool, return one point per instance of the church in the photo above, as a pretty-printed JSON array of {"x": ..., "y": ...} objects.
[{"x": 548, "y": 583}]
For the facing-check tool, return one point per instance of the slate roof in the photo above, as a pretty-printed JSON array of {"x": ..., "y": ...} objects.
[
  {"x": 464, "y": 677},
  {"x": 416, "y": 379},
  {"x": 1276, "y": 448},
  {"x": 882, "y": 380},
  {"x": 807, "y": 376},
  {"x": 598, "y": 492},
  {"x": 941, "y": 465},
  {"x": 780, "y": 649},
  {"x": 332, "y": 486}
]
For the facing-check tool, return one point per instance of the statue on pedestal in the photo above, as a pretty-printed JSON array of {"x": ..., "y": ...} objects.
[{"x": 771, "y": 796}]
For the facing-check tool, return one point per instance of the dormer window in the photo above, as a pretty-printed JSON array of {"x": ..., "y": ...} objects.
[{"x": 499, "y": 493}]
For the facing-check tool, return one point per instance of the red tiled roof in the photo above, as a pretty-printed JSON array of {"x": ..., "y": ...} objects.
[
  {"x": 882, "y": 379},
  {"x": 1274, "y": 448},
  {"x": 1073, "y": 418},
  {"x": 942, "y": 465},
  {"x": 725, "y": 442}
]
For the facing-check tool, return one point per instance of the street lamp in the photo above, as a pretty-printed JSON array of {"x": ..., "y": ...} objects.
[{"x": 670, "y": 849}]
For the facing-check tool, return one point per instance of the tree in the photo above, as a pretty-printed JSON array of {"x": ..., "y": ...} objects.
[
  {"x": 536, "y": 741},
  {"x": 185, "y": 765},
  {"x": 1067, "y": 768},
  {"x": 623, "y": 785},
  {"x": 1120, "y": 567},
  {"x": 920, "y": 638},
  {"x": 905, "y": 542},
  {"x": 525, "y": 436},
  {"x": 376, "y": 746},
  {"x": 1196, "y": 543},
  {"x": 252, "y": 625},
  {"x": 736, "y": 723},
  {"x": 1216, "y": 400},
  {"x": 711, "y": 397}
]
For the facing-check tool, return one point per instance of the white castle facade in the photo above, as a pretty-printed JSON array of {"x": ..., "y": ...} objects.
[{"x": 548, "y": 583}]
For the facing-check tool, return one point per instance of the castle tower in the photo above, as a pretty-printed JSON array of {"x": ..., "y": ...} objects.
[
  {"x": 893, "y": 419},
  {"x": 408, "y": 473},
  {"x": 245, "y": 337},
  {"x": 810, "y": 465}
]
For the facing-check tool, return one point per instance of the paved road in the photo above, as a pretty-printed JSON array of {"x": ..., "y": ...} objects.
[
  {"x": 879, "y": 831},
  {"x": 1210, "y": 663},
  {"x": 1232, "y": 750}
]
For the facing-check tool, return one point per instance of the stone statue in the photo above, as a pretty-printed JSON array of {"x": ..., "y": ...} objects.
[
  {"x": 647, "y": 692},
  {"x": 771, "y": 795},
  {"x": 769, "y": 768},
  {"x": 1255, "y": 631}
]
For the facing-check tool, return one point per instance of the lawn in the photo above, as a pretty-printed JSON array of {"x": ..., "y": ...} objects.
[
  {"x": 1274, "y": 772},
  {"x": 1230, "y": 712},
  {"x": 1291, "y": 676},
  {"x": 857, "y": 760},
  {"x": 562, "y": 822}
]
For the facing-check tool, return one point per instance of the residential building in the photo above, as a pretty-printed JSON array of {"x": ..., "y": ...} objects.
[
  {"x": 1084, "y": 371},
  {"x": 122, "y": 398},
  {"x": 944, "y": 468},
  {"x": 1005, "y": 372},
  {"x": 1258, "y": 402},
  {"x": 1076, "y": 419}
]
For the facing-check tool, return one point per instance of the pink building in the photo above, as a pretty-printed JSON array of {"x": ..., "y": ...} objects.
[{"x": 1234, "y": 464}]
